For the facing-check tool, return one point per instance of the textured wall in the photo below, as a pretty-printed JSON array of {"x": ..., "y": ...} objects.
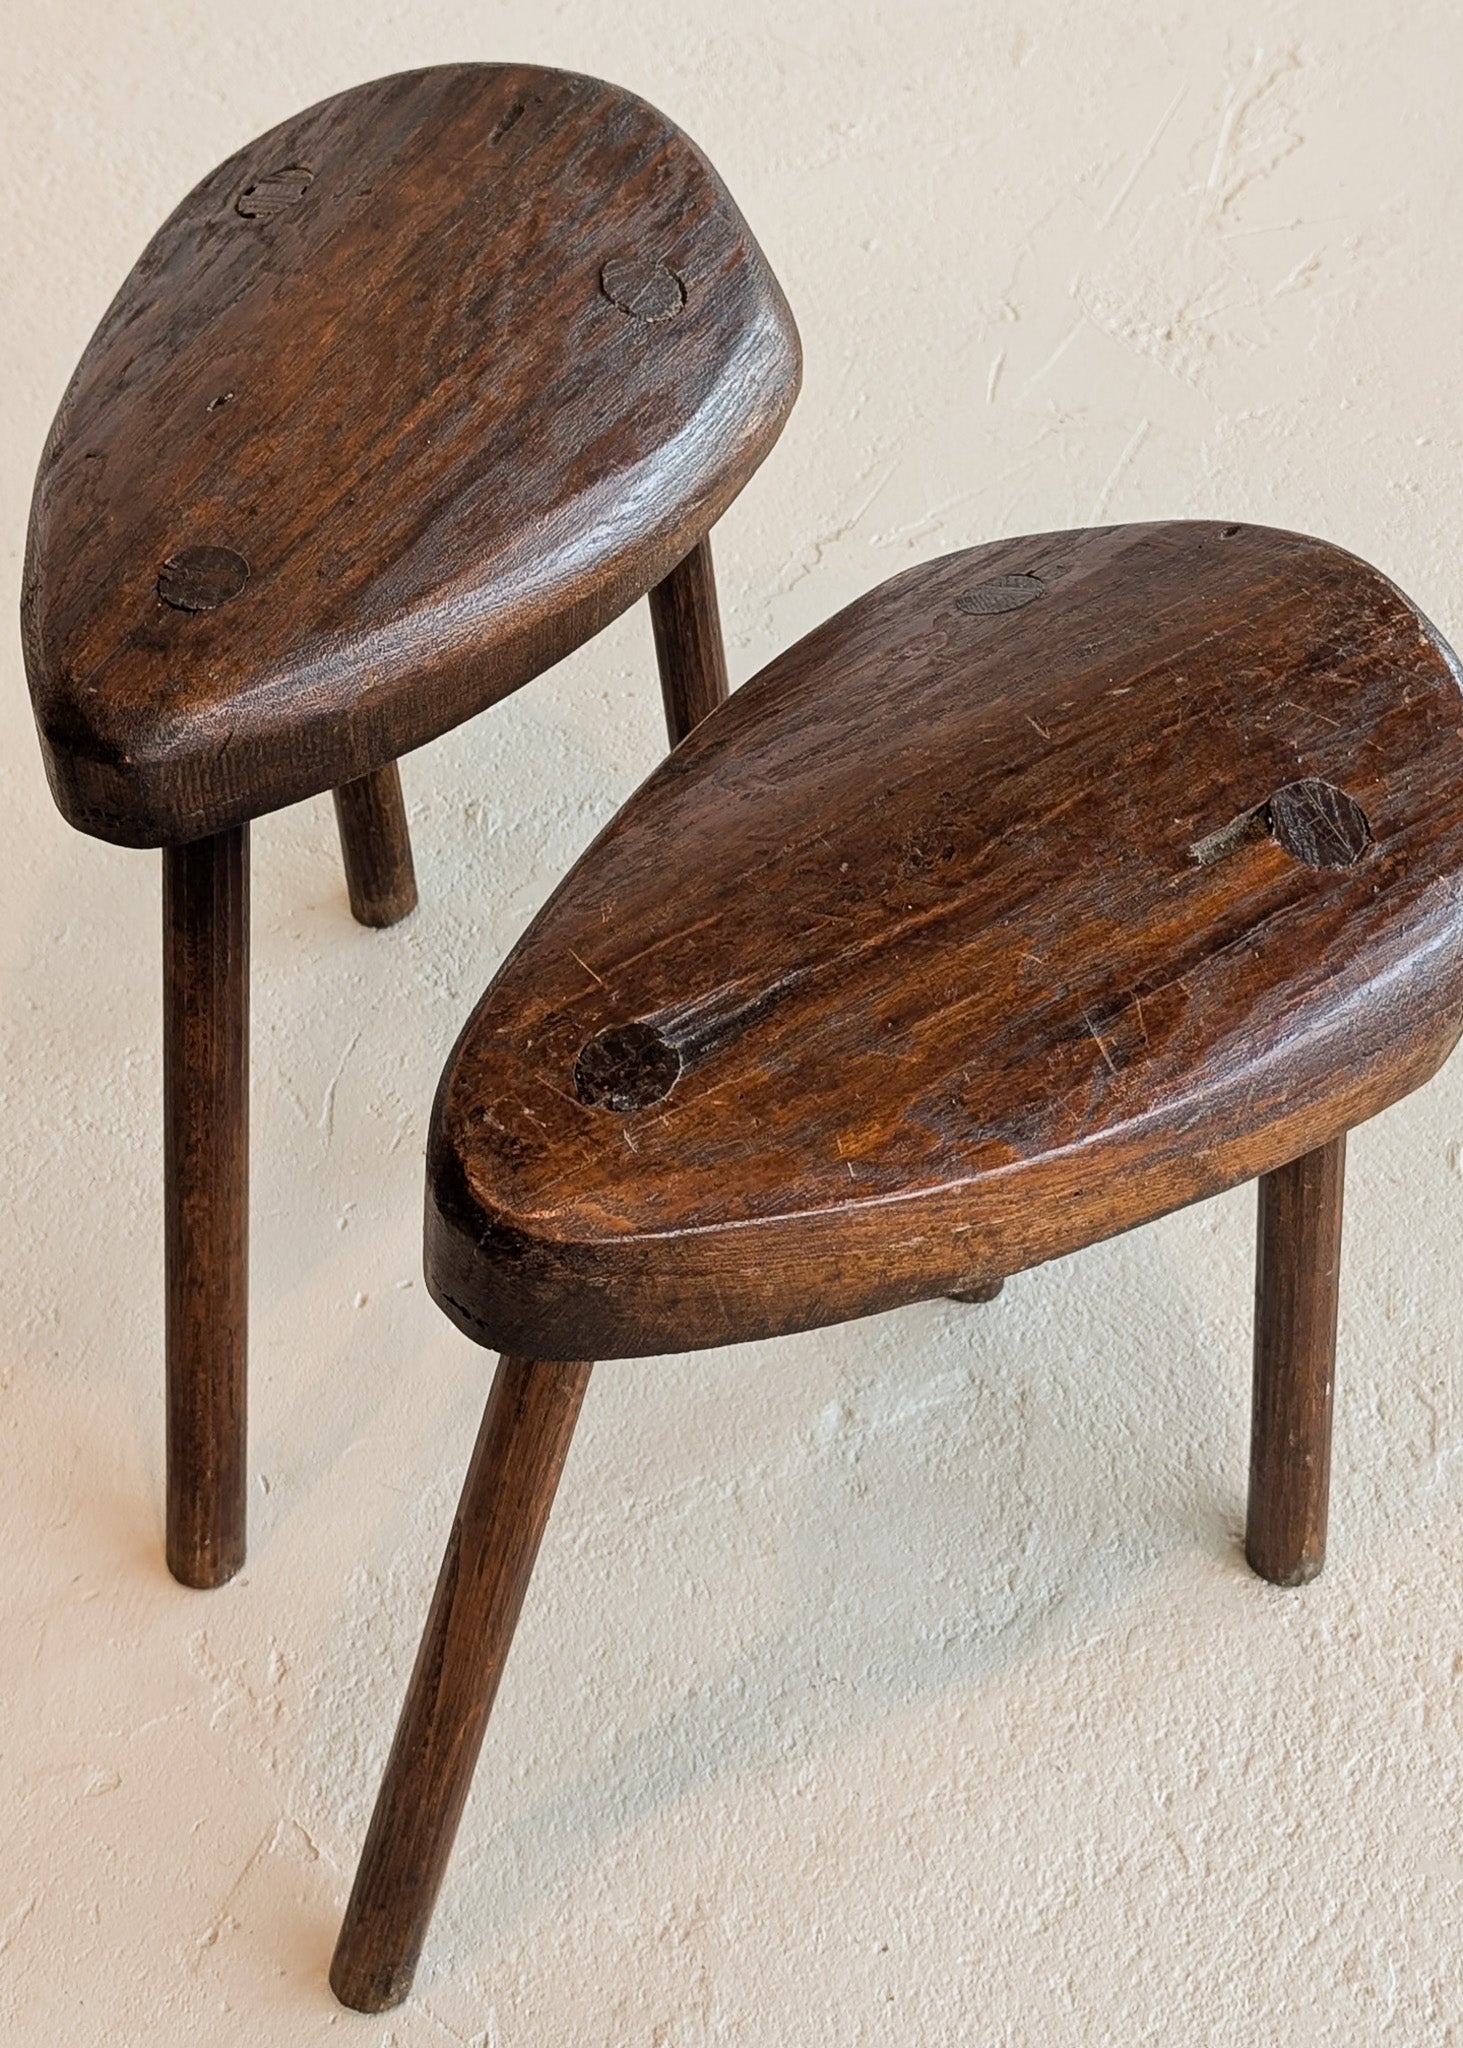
[{"x": 900, "y": 1683}]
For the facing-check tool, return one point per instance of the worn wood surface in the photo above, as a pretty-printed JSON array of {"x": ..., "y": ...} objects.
[
  {"x": 406, "y": 400},
  {"x": 206, "y": 1201},
  {"x": 375, "y": 846},
  {"x": 688, "y": 645},
  {"x": 506, "y": 1497},
  {"x": 1297, "y": 1281},
  {"x": 1048, "y": 887}
]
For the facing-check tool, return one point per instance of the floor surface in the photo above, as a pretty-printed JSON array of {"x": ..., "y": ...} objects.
[{"x": 901, "y": 1683}]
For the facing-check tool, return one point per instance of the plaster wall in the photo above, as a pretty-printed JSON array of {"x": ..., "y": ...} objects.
[{"x": 901, "y": 1683}]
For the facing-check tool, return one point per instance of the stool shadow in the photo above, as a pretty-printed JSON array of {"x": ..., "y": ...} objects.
[{"x": 1017, "y": 1553}]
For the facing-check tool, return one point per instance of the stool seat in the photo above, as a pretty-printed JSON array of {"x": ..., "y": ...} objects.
[
  {"x": 1050, "y": 886},
  {"x": 405, "y": 401},
  {"x": 1046, "y": 888},
  {"x": 408, "y": 399}
]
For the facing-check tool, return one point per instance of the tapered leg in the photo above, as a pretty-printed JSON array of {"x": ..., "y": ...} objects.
[
  {"x": 375, "y": 845},
  {"x": 505, "y": 1503},
  {"x": 688, "y": 643},
  {"x": 206, "y": 1176},
  {"x": 1296, "y": 1281}
]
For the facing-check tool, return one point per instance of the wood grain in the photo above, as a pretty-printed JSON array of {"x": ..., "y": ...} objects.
[
  {"x": 1297, "y": 1282},
  {"x": 1048, "y": 887},
  {"x": 406, "y": 400},
  {"x": 688, "y": 645},
  {"x": 206, "y": 1181},
  {"x": 506, "y": 1497},
  {"x": 981, "y": 947},
  {"x": 375, "y": 846}
]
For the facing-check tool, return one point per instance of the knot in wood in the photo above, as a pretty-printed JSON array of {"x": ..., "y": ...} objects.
[
  {"x": 1319, "y": 824},
  {"x": 649, "y": 291},
  {"x": 626, "y": 1067},
  {"x": 201, "y": 579},
  {"x": 1001, "y": 594},
  {"x": 274, "y": 192}
]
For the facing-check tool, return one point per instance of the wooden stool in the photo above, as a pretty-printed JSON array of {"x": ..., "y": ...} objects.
[
  {"x": 407, "y": 400},
  {"x": 1047, "y": 888}
]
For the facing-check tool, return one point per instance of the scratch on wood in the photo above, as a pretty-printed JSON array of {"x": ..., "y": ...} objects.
[
  {"x": 1097, "y": 1040},
  {"x": 588, "y": 969}
]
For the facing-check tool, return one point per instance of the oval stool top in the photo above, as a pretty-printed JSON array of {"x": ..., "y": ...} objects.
[
  {"x": 406, "y": 400},
  {"x": 1046, "y": 888}
]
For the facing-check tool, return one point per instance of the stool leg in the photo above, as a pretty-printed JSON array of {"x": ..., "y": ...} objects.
[
  {"x": 505, "y": 1503},
  {"x": 688, "y": 644},
  {"x": 1297, "y": 1276},
  {"x": 206, "y": 1197},
  {"x": 375, "y": 845}
]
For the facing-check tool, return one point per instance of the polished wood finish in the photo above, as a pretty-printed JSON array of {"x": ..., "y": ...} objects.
[
  {"x": 500, "y": 1519},
  {"x": 688, "y": 643},
  {"x": 1297, "y": 1280},
  {"x": 405, "y": 401},
  {"x": 375, "y": 845},
  {"x": 206, "y": 1180},
  {"x": 1048, "y": 887},
  {"x": 981, "y": 947}
]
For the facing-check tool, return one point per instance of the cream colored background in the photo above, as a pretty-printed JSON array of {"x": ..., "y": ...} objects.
[{"x": 901, "y": 1683}]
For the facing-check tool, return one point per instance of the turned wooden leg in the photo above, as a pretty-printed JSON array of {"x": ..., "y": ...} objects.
[
  {"x": 688, "y": 643},
  {"x": 505, "y": 1503},
  {"x": 206, "y": 1176},
  {"x": 1296, "y": 1281},
  {"x": 375, "y": 845}
]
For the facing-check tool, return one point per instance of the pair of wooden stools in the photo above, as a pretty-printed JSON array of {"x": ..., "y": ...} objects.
[{"x": 1048, "y": 887}]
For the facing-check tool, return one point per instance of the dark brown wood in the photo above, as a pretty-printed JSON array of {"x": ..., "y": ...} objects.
[
  {"x": 500, "y": 1519},
  {"x": 406, "y": 400},
  {"x": 206, "y": 1176},
  {"x": 993, "y": 932},
  {"x": 1297, "y": 1279},
  {"x": 375, "y": 845},
  {"x": 1048, "y": 887},
  {"x": 688, "y": 642}
]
